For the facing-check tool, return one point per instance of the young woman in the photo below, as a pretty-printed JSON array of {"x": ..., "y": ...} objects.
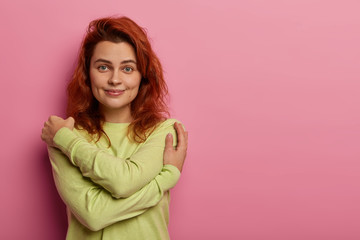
[{"x": 116, "y": 156}]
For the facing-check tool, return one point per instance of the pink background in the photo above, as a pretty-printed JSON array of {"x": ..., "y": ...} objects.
[{"x": 269, "y": 91}]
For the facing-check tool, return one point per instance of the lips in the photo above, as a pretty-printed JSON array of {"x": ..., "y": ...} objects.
[{"x": 114, "y": 92}]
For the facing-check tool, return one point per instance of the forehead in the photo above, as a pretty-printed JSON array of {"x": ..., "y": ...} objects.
[{"x": 114, "y": 52}]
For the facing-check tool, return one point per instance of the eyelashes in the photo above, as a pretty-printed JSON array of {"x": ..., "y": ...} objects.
[
  {"x": 126, "y": 69},
  {"x": 102, "y": 68}
]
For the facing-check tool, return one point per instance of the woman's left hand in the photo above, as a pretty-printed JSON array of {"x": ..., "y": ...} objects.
[
  {"x": 176, "y": 157},
  {"x": 52, "y": 125}
]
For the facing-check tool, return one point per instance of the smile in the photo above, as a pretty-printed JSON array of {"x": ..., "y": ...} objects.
[{"x": 114, "y": 92}]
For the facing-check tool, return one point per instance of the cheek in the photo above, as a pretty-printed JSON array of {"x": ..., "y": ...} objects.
[
  {"x": 134, "y": 93},
  {"x": 95, "y": 80},
  {"x": 93, "y": 90},
  {"x": 134, "y": 85},
  {"x": 94, "y": 85}
]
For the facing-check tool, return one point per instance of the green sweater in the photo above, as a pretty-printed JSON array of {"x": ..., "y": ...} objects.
[{"x": 119, "y": 192}]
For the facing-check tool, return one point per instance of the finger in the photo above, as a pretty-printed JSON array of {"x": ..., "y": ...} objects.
[
  {"x": 169, "y": 142},
  {"x": 70, "y": 121},
  {"x": 43, "y": 136},
  {"x": 181, "y": 136},
  {"x": 184, "y": 144},
  {"x": 47, "y": 123},
  {"x": 179, "y": 128},
  {"x": 54, "y": 118}
]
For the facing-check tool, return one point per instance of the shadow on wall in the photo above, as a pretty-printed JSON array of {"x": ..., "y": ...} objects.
[{"x": 55, "y": 206}]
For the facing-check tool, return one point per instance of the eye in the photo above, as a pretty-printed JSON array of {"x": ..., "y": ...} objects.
[
  {"x": 103, "y": 68},
  {"x": 128, "y": 69}
]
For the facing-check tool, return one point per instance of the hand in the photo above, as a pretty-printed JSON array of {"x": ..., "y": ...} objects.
[
  {"x": 52, "y": 125},
  {"x": 176, "y": 157}
]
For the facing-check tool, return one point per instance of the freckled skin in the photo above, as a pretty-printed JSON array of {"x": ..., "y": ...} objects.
[{"x": 113, "y": 66}]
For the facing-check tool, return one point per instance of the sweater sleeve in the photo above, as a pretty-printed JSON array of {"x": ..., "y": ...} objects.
[
  {"x": 93, "y": 206},
  {"x": 121, "y": 177}
]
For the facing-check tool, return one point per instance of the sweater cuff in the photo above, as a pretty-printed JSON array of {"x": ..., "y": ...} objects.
[
  {"x": 65, "y": 139},
  {"x": 168, "y": 177}
]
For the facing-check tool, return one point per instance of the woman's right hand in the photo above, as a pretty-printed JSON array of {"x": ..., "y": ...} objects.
[
  {"x": 176, "y": 156},
  {"x": 52, "y": 125}
]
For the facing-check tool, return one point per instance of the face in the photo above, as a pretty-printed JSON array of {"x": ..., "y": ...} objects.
[{"x": 115, "y": 79}]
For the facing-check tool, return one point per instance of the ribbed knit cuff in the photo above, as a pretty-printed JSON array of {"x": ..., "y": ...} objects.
[
  {"x": 168, "y": 177},
  {"x": 65, "y": 139}
]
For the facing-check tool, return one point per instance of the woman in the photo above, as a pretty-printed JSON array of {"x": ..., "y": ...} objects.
[{"x": 113, "y": 159}]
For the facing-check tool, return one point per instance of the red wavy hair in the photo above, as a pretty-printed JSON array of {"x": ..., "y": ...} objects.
[{"x": 147, "y": 109}]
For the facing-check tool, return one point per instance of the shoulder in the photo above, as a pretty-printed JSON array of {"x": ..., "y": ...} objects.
[
  {"x": 157, "y": 136},
  {"x": 163, "y": 128},
  {"x": 168, "y": 122},
  {"x": 166, "y": 125}
]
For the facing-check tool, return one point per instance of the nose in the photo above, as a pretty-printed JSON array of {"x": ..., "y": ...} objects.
[{"x": 115, "y": 78}]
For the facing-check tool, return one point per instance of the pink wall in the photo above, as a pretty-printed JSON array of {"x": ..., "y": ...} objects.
[{"x": 269, "y": 91}]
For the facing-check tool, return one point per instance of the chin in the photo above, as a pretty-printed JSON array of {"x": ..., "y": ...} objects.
[{"x": 115, "y": 107}]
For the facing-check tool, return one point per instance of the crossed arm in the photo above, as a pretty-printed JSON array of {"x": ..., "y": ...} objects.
[
  {"x": 92, "y": 204},
  {"x": 121, "y": 177}
]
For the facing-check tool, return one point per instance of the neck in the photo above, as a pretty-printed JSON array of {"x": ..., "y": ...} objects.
[{"x": 122, "y": 115}]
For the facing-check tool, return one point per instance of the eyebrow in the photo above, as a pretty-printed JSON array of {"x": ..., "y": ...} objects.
[{"x": 107, "y": 61}]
